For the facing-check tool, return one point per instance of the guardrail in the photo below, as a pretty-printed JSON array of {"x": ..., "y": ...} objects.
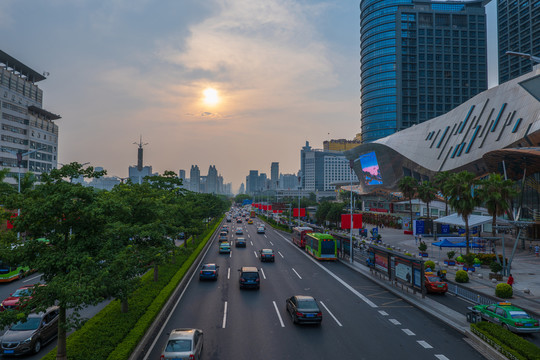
[{"x": 473, "y": 296}]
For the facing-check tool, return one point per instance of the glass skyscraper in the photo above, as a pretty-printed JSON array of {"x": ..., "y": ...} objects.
[
  {"x": 419, "y": 59},
  {"x": 518, "y": 24}
]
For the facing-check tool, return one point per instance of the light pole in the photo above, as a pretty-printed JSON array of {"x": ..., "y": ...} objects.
[
  {"x": 299, "y": 179},
  {"x": 533, "y": 58},
  {"x": 351, "y": 164}
]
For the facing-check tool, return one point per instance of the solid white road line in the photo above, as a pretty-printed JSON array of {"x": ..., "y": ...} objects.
[
  {"x": 280, "y": 254},
  {"x": 255, "y": 253},
  {"x": 332, "y": 315},
  {"x": 424, "y": 344},
  {"x": 354, "y": 291},
  {"x": 408, "y": 332},
  {"x": 394, "y": 321},
  {"x": 278, "y": 314},
  {"x": 297, "y": 274},
  {"x": 271, "y": 243},
  {"x": 225, "y": 316},
  {"x": 441, "y": 357},
  {"x": 262, "y": 272},
  {"x": 32, "y": 278},
  {"x": 383, "y": 313},
  {"x": 228, "y": 273}
]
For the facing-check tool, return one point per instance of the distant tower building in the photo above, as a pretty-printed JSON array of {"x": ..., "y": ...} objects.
[
  {"x": 182, "y": 176},
  {"x": 341, "y": 144},
  {"x": 516, "y": 21},
  {"x": 242, "y": 189},
  {"x": 274, "y": 175},
  {"x": 29, "y": 136},
  {"x": 252, "y": 182},
  {"x": 220, "y": 189},
  {"x": 139, "y": 172},
  {"x": 195, "y": 179},
  {"x": 212, "y": 180},
  {"x": 288, "y": 181}
]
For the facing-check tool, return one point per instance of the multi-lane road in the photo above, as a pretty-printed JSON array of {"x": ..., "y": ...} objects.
[{"x": 360, "y": 319}]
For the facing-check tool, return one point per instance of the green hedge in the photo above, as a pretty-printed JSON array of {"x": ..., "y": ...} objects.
[
  {"x": 462, "y": 276},
  {"x": 119, "y": 333},
  {"x": 506, "y": 342},
  {"x": 504, "y": 291}
]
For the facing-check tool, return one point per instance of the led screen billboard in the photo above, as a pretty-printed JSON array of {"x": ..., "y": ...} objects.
[{"x": 370, "y": 169}]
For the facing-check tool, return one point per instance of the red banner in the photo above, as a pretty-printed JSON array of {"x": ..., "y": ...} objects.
[
  {"x": 9, "y": 225},
  {"x": 346, "y": 221},
  {"x": 302, "y": 212},
  {"x": 277, "y": 211}
]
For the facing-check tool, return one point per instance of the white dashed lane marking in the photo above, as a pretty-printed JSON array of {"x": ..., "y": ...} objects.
[
  {"x": 225, "y": 316},
  {"x": 441, "y": 357},
  {"x": 383, "y": 313},
  {"x": 280, "y": 254},
  {"x": 279, "y": 316},
  {"x": 296, "y": 273},
  {"x": 408, "y": 332},
  {"x": 262, "y": 272},
  {"x": 332, "y": 315},
  {"x": 394, "y": 321},
  {"x": 424, "y": 344}
]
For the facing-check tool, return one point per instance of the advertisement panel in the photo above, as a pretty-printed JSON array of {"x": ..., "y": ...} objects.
[
  {"x": 381, "y": 261},
  {"x": 403, "y": 270},
  {"x": 370, "y": 169}
]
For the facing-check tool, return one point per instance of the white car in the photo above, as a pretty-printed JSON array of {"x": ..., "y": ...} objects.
[
  {"x": 260, "y": 230},
  {"x": 183, "y": 344}
]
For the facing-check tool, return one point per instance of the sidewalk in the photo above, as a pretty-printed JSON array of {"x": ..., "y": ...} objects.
[{"x": 525, "y": 268}]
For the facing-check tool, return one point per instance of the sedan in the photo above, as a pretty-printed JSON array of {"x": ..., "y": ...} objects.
[
  {"x": 508, "y": 316},
  {"x": 183, "y": 344},
  {"x": 29, "y": 336},
  {"x": 434, "y": 284},
  {"x": 239, "y": 231},
  {"x": 240, "y": 242},
  {"x": 224, "y": 248},
  {"x": 209, "y": 272},
  {"x": 21, "y": 295},
  {"x": 266, "y": 255},
  {"x": 260, "y": 230},
  {"x": 304, "y": 309}
]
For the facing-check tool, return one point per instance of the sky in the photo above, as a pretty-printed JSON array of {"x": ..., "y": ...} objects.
[{"x": 237, "y": 84}]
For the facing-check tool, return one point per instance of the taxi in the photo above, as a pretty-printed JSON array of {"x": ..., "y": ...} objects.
[
  {"x": 250, "y": 221},
  {"x": 508, "y": 316},
  {"x": 434, "y": 284}
]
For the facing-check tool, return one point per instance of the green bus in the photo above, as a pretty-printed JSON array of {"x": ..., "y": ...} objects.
[
  {"x": 10, "y": 273},
  {"x": 321, "y": 246}
]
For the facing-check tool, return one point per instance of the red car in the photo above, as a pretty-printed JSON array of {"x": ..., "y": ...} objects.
[
  {"x": 13, "y": 300},
  {"x": 434, "y": 284}
]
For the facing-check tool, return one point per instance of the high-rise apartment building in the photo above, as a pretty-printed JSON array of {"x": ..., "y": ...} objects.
[
  {"x": 252, "y": 182},
  {"x": 28, "y": 136},
  {"x": 212, "y": 180},
  {"x": 195, "y": 178},
  {"x": 518, "y": 27},
  {"x": 274, "y": 175},
  {"x": 419, "y": 60}
]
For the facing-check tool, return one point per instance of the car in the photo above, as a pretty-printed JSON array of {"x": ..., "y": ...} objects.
[
  {"x": 260, "y": 230},
  {"x": 29, "y": 336},
  {"x": 266, "y": 255},
  {"x": 304, "y": 309},
  {"x": 224, "y": 248},
  {"x": 240, "y": 242},
  {"x": 250, "y": 221},
  {"x": 224, "y": 230},
  {"x": 209, "y": 272},
  {"x": 239, "y": 220},
  {"x": 183, "y": 344},
  {"x": 13, "y": 301},
  {"x": 434, "y": 284},
  {"x": 223, "y": 239},
  {"x": 223, "y": 233},
  {"x": 508, "y": 316},
  {"x": 229, "y": 219},
  {"x": 249, "y": 277},
  {"x": 239, "y": 231}
]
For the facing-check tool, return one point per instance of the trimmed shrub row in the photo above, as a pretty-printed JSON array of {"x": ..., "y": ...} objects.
[
  {"x": 113, "y": 335},
  {"x": 507, "y": 343}
]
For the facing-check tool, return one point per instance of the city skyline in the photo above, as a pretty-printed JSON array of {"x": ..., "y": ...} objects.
[{"x": 282, "y": 72}]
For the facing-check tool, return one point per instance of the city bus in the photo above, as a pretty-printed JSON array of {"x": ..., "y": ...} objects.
[
  {"x": 321, "y": 246},
  {"x": 299, "y": 235},
  {"x": 10, "y": 273}
]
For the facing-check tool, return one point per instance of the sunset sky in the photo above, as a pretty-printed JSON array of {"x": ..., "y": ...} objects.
[{"x": 233, "y": 83}]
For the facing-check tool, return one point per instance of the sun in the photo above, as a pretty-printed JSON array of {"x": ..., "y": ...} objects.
[{"x": 211, "y": 96}]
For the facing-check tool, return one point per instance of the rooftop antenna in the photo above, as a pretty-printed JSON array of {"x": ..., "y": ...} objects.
[{"x": 140, "y": 154}]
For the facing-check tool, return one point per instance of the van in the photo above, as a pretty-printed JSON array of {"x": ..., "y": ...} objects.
[{"x": 249, "y": 277}]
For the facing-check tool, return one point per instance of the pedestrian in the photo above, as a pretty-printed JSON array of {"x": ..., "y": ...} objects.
[
  {"x": 536, "y": 250},
  {"x": 416, "y": 240},
  {"x": 510, "y": 280}
]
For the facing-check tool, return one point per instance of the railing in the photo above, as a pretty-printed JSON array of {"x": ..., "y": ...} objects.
[{"x": 470, "y": 295}]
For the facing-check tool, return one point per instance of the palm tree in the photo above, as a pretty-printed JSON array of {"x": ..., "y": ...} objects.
[
  {"x": 440, "y": 179},
  {"x": 496, "y": 194},
  {"x": 426, "y": 192},
  {"x": 462, "y": 197},
  {"x": 407, "y": 185}
]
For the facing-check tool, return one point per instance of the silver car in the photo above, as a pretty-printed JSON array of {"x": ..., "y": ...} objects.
[{"x": 184, "y": 344}]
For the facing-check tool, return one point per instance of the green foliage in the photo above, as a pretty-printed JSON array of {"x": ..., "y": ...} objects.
[
  {"x": 429, "y": 264},
  {"x": 512, "y": 344},
  {"x": 504, "y": 291},
  {"x": 275, "y": 224},
  {"x": 476, "y": 261},
  {"x": 496, "y": 193},
  {"x": 422, "y": 247},
  {"x": 427, "y": 193},
  {"x": 407, "y": 185},
  {"x": 460, "y": 259},
  {"x": 462, "y": 276},
  {"x": 495, "y": 267},
  {"x": 469, "y": 259},
  {"x": 450, "y": 254}
]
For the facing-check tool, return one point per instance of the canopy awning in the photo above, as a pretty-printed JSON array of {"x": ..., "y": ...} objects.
[
  {"x": 474, "y": 220},
  {"x": 445, "y": 243}
]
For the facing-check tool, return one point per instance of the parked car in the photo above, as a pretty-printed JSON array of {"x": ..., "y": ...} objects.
[
  {"x": 13, "y": 301},
  {"x": 183, "y": 344},
  {"x": 224, "y": 248},
  {"x": 260, "y": 230},
  {"x": 508, "y": 316},
  {"x": 434, "y": 284},
  {"x": 209, "y": 272},
  {"x": 266, "y": 255},
  {"x": 249, "y": 277},
  {"x": 31, "y": 335},
  {"x": 304, "y": 309},
  {"x": 240, "y": 242}
]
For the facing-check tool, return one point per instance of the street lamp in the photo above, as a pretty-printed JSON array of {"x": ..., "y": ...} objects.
[
  {"x": 533, "y": 58},
  {"x": 299, "y": 179},
  {"x": 351, "y": 164}
]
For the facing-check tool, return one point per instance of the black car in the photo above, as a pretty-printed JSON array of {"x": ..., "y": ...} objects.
[
  {"x": 304, "y": 309},
  {"x": 266, "y": 255},
  {"x": 249, "y": 277},
  {"x": 240, "y": 242},
  {"x": 209, "y": 272}
]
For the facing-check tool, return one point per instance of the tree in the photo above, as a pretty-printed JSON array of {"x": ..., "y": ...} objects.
[
  {"x": 440, "y": 180},
  {"x": 496, "y": 194},
  {"x": 462, "y": 198},
  {"x": 334, "y": 214},
  {"x": 407, "y": 185},
  {"x": 426, "y": 193},
  {"x": 322, "y": 212},
  {"x": 71, "y": 264}
]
